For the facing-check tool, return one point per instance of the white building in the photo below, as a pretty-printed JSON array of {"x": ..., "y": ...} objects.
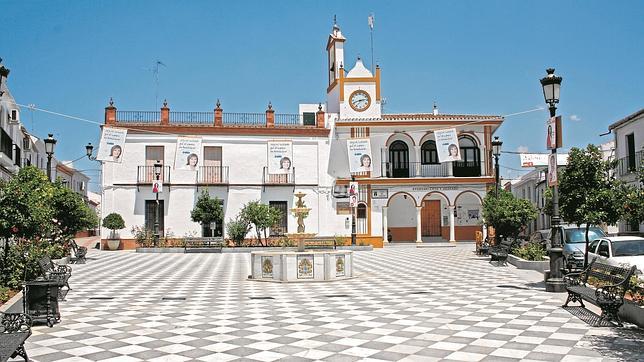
[
  {"x": 408, "y": 193},
  {"x": 629, "y": 153}
]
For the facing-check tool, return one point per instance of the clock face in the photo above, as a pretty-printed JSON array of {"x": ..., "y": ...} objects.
[{"x": 359, "y": 100}]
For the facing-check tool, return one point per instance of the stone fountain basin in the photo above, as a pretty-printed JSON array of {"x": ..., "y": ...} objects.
[{"x": 306, "y": 266}]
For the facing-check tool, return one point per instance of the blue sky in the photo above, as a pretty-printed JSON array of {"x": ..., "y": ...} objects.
[{"x": 479, "y": 57}]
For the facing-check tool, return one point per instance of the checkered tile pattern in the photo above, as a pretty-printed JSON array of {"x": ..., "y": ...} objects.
[{"x": 407, "y": 303}]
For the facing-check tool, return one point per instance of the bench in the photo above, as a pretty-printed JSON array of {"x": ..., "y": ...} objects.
[
  {"x": 499, "y": 253},
  {"x": 214, "y": 243},
  {"x": 79, "y": 253},
  {"x": 319, "y": 244},
  {"x": 57, "y": 273},
  {"x": 606, "y": 289},
  {"x": 15, "y": 328}
]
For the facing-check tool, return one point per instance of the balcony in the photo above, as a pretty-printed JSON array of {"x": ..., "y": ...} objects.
[
  {"x": 145, "y": 175},
  {"x": 630, "y": 164},
  {"x": 467, "y": 168},
  {"x": 414, "y": 169},
  {"x": 213, "y": 175},
  {"x": 285, "y": 179}
]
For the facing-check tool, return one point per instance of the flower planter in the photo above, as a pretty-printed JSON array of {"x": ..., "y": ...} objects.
[
  {"x": 632, "y": 313},
  {"x": 13, "y": 305},
  {"x": 519, "y": 263},
  {"x": 113, "y": 244}
]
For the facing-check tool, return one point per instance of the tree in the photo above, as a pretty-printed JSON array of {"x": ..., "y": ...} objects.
[
  {"x": 633, "y": 201},
  {"x": 207, "y": 210},
  {"x": 506, "y": 213},
  {"x": 261, "y": 216},
  {"x": 113, "y": 222},
  {"x": 237, "y": 229},
  {"x": 587, "y": 193},
  {"x": 70, "y": 212}
]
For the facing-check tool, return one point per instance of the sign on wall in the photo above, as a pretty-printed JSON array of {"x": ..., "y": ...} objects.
[
  {"x": 541, "y": 159},
  {"x": 280, "y": 157},
  {"x": 447, "y": 145},
  {"x": 379, "y": 194},
  {"x": 112, "y": 144},
  {"x": 553, "y": 136},
  {"x": 359, "y": 150},
  {"x": 188, "y": 154},
  {"x": 552, "y": 170}
]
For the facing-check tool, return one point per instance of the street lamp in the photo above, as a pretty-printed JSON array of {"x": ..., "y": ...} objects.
[
  {"x": 496, "y": 151},
  {"x": 158, "y": 167},
  {"x": 551, "y": 85},
  {"x": 50, "y": 143}
]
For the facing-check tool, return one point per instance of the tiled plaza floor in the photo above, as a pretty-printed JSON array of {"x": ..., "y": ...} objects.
[{"x": 407, "y": 303}]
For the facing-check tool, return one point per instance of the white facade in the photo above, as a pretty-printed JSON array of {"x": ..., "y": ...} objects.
[{"x": 407, "y": 194}]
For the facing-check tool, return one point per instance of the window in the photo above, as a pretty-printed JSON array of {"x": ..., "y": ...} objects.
[
  {"x": 592, "y": 247},
  {"x": 603, "y": 248},
  {"x": 152, "y": 155},
  {"x": 14, "y": 114},
  {"x": 361, "y": 214},
  {"x": 281, "y": 227},
  {"x": 6, "y": 144},
  {"x": 309, "y": 118},
  {"x": 212, "y": 170},
  {"x": 150, "y": 215},
  {"x": 216, "y": 228},
  {"x": 630, "y": 151},
  {"x": 428, "y": 154},
  {"x": 469, "y": 150},
  {"x": 17, "y": 160}
]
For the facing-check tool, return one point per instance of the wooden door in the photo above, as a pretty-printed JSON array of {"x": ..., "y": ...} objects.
[{"x": 430, "y": 216}]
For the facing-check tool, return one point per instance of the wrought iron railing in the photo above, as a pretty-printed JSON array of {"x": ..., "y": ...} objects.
[
  {"x": 213, "y": 175},
  {"x": 145, "y": 175},
  {"x": 138, "y": 116},
  {"x": 285, "y": 119},
  {"x": 414, "y": 169},
  {"x": 630, "y": 164},
  {"x": 287, "y": 178},
  {"x": 192, "y": 117},
  {"x": 244, "y": 119},
  {"x": 466, "y": 168}
]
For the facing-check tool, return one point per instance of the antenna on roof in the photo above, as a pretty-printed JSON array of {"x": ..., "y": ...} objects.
[
  {"x": 155, "y": 73},
  {"x": 371, "y": 21}
]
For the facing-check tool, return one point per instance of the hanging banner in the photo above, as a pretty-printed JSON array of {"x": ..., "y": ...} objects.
[
  {"x": 112, "y": 144},
  {"x": 541, "y": 159},
  {"x": 157, "y": 187},
  {"x": 553, "y": 136},
  {"x": 552, "y": 170},
  {"x": 447, "y": 145},
  {"x": 280, "y": 157},
  {"x": 188, "y": 154},
  {"x": 359, "y": 150}
]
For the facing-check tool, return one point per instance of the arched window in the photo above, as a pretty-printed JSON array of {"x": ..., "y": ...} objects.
[
  {"x": 469, "y": 150},
  {"x": 361, "y": 214},
  {"x": 399, "y": 159},
  {"x": 428, "y": 153}
]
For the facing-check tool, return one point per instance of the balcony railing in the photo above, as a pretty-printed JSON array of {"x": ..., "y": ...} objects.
[
  {"x": 284, "y": 119},
  {"x": 244, "y": 119},
  {"x": 279, "y": 178},
  {"x": 466, "y": 168},
  {"x": 213, "y": 175},
  {"x": 630, "y": 164},
  {"x": 192, "y": 117},
  {"x": 414, "y": 169},
  {"x": 138, "y": 116},
  {"x": 145, "y": 175}
]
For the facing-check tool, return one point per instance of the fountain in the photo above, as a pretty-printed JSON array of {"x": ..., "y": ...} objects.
[{"x": 302, "y": 265}]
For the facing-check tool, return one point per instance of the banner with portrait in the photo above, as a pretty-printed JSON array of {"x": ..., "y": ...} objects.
[
  {"x": 553, "y": 135},
  {"x": 280, "y": 157},
  {"x": 188, "y": 154},
  {"x": 552, "y": 169},
  {"x": 112, "y": 144},
  {"x": 447, "y": 145},
  {"x": 359, "y": 150}
]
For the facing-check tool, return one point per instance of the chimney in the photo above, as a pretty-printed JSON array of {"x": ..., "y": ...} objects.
[
  {"x": 270, "y": 116},
  {"x": 110, "y": 113},
  {"x": 219, "y": 115},
  {"x": 165, "y": 113},
  {"x": 435, "y": 112},
  {"x": 319, "y": 117}
]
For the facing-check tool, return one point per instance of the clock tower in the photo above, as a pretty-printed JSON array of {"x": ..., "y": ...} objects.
[{"x": 355, "y": 94}]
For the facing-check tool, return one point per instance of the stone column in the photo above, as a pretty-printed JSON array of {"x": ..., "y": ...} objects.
[
  {"x": 415, "y": 166},
  {"x": 451, "y": 224},
  {"x": 419, "y": 238},
  {"x": 385, "y": 234}
]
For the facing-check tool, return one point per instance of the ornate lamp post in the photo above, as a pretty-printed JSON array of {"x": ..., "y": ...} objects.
[
  {"x": 50, "y": 144},
  {"x": 551, "y": 84},
  {"x": 158, "y": 167},
  {"x": 496, "y": 151}
]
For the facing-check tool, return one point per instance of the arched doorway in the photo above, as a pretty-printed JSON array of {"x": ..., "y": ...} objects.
[
  {"x": 468, "y": 215},
  {"x": 399, "y": 159},
  {"x": 401, "y": 217}
]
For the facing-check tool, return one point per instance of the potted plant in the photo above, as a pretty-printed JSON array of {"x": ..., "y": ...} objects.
[{"x": 113, "y": 222}]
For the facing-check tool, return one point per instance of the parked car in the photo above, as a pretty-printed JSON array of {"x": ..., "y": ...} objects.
[
  {"x": 574, "y": 243},
  {"x": 618, "y": 250},
  {"x": 541, "y": 237}
]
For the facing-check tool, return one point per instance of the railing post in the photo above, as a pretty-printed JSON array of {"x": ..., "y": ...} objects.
[
  {"x": 165, "y": 113},
  {"x": 110, "y": 113},
  {"x": 270, "y": 116},
  {"x": 219, "y": 116},
  {"x": 319, "y": 117}
]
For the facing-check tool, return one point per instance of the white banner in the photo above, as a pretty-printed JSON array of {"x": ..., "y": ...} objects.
[
  {"x": 359, "y": 150},
  {"x": 552, "y": 170},
  {"x": 112, "y": 144},
  {"x": 541, "y": 159},
  {"x": 447, "y": 145},
  {"x": 157, "y": 187},
  {"x": 280, "y": 156},
  {"x": 188, "y": 154}
]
